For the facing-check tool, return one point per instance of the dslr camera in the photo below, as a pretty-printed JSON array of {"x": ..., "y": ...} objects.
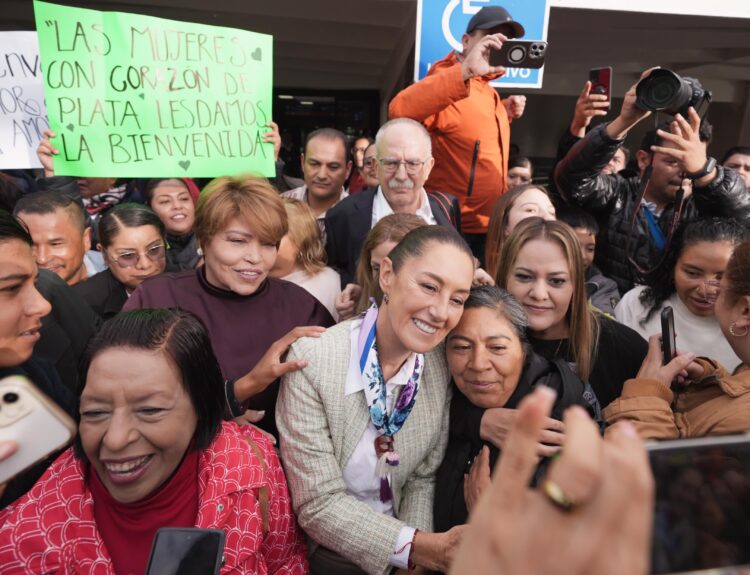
[{"x": 664, "y": 91}]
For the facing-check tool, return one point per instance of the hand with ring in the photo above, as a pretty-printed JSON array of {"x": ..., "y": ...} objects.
[{"x": 593, "y": 515}]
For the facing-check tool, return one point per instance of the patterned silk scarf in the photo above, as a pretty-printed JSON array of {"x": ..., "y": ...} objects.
[{"x": 387, "y": 424}]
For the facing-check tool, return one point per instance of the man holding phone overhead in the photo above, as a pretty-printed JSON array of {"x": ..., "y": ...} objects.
[{"x": 468, "y": 121}]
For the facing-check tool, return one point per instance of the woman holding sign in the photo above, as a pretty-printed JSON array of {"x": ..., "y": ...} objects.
[{"x": 250, "y": 317}]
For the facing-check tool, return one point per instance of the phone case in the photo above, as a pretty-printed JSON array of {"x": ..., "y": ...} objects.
[
  {"x": 33, "y": 421},
  {"x": 519, "y": 54},
  {"x": 601, "y": 81},
  {"x": 164, "y": 546},
  {"x": 668, "y": 337}
]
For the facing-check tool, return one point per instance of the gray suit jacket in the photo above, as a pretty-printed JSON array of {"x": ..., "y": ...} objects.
[{"x": 320, "y": 427}]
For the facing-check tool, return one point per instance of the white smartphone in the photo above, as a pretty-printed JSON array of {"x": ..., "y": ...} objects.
[
  {"x": 702, "y": 508},
  {"x": 33, "y": 421}
]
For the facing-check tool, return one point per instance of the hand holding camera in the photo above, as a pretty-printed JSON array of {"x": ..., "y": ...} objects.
[
  {"x": 686, "y": 146},
  {"x": 630, "y": 114}
]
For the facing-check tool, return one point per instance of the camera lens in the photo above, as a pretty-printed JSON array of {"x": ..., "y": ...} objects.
[
  {"x": 664, "y": 91},
  {"x": 516, "y": 54},
  {"x": 10, "y": 397}
]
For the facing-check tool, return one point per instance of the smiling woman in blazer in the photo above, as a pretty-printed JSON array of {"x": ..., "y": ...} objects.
[{"x": 364, "y": 426}]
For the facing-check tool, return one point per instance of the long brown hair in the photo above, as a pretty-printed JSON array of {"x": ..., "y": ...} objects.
[
  {"x": 389, "y": 229},
  {"x": 583, "y": 326},
  {"x": 737, "y": 274},
  {"x": 496, "y": 234}
]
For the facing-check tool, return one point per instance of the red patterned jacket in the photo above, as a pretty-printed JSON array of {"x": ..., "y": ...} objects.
[{"x": 51, "y": 530}]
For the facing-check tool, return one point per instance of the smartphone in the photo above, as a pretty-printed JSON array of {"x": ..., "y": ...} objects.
[
  {"x": 33, "y": 421},
  {"x": 186, "y": 552},
  {"x": 668, "y": 337},
  {"x": 519, "y": 54},
  {"x": 702, "y": 504},
  {"x": 601, "y": 81}
]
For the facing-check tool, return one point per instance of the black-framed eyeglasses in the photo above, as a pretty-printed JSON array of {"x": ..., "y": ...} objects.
[
  {"x": 129, "y": 259},
  {"x": 391, "y": 166}
]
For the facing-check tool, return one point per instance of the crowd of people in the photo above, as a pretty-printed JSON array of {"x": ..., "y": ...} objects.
[{"x": 330, "y": 373}]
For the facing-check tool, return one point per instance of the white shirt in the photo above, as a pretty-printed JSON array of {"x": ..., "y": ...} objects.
[
  {"x": 94, "y": 262},
  {"x": 696, "y": 334},
  {"x": 359, "y": 473},
  {"x": 324, "y": 285},
  {"x": 381, "y": 208}
]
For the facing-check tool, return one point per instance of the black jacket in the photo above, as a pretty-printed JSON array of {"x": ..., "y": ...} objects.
[
  {"x": 348, "y": 222},
  {"x": 613, "y": 200},
  {"x": 183, "y": 252},
  {"x": 464, "y": 442},
  {"x": 66, "y": 330},
  {"x": 104, "y": 293}
]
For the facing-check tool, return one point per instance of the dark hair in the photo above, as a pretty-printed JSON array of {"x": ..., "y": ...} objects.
[
  {"x": 660, "y": 284},
  {"x": 743, "y": 150},
  {"x": 181, "y": 337},
  {"x": 330, "y": 134},
  {"x": 151, "y": 185},
  {"x": 12, "y": 229},
  {"x": 414, "y": 243},
  {"x": 520, "y": 162},
  {"x": 578, "y": 218},
  {"x": 128, "y": 215},
  {"x": 503, "y": 302},
  {"x": 10, "y": 192},
  {"x": 42, "y": 203},
  {"x": 705, "y": 133},
  {"x": 737, "y": 274}
]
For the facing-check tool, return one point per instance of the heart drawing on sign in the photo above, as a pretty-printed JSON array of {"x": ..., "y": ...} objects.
[
  {"x": 184, "y": 164},
  {"x": 142, "y": 96},
  {"x": 70, "y": 127},
  {"x": 256, "y": 55}
]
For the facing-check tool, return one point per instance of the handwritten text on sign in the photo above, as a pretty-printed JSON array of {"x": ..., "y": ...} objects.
[
  {"x": 136, "y": 96},
  {"x": 23, "y": 118}
]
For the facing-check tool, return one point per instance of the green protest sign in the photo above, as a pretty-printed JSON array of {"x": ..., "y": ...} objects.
[{"x": 137, "y": 96}]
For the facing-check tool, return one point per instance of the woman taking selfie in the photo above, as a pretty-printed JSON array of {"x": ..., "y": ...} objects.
[
  {"x": 493, "y": 367},
  {"x": 172, "y": 201},
  {"x": 541, "y": 266},
  {"x": 688, "y": 282},
  {"x": 249, "y": 316},
  {"x": 692, "y": 397},
  {"x": 365, "y": 424},
  {"x": 133, "y": 243},
  {"x": 152, "y": 451}
]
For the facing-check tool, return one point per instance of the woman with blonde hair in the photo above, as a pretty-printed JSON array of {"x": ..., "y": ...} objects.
[
  {"x": 519, "y": 203},
  {"x": 301, "y": 257},
  {"x": 251, "y": 318},
  {"x": 541, "y": 265},
  {"x": 378, "y": 244}
]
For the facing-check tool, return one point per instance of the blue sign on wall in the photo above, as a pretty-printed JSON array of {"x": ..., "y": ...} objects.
[{"x": 441, "y": 23}]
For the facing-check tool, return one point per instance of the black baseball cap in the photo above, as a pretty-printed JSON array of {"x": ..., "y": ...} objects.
[{"x": 491, "y": 17}]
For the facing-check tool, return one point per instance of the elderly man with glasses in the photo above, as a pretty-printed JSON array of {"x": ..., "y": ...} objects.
[{"x": 404, "y": 160}]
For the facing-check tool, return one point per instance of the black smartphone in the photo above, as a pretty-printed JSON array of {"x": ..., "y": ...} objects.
[
  {"x": 186, "y": 552},
  {"x": 519, "y": 54},
  {"x": 702, "y": 504},
  {"x": 668, "y": 337},
  {"x": 601, "y": 81}
]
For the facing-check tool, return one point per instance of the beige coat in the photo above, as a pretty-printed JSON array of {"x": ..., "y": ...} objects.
[
  {"x": 717, "y": 404},
  {"x": 320, "y": 427}
]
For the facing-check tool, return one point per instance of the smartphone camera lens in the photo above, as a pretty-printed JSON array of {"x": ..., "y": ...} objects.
[
  {"x": 517, "y": 54},
  {"x": 10, "y": 397}
]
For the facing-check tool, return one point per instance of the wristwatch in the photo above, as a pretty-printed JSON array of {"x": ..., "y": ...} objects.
[{"x": 707, "y": 169}]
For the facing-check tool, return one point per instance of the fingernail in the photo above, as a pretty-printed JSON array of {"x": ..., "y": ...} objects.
[
  {"x": 627, "y": 429},
  {"x": 262, "y": 413},
  {"x": 546, "y": 391},
  {"x": 6, "y": 449}
]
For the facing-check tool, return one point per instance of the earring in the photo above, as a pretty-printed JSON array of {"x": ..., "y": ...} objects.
[
  {"x": 386, "y": 299},
  {"x": 731, "y": 330}
]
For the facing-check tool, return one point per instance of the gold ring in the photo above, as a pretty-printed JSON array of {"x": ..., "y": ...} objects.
[{"x": 557, "y": 496}]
